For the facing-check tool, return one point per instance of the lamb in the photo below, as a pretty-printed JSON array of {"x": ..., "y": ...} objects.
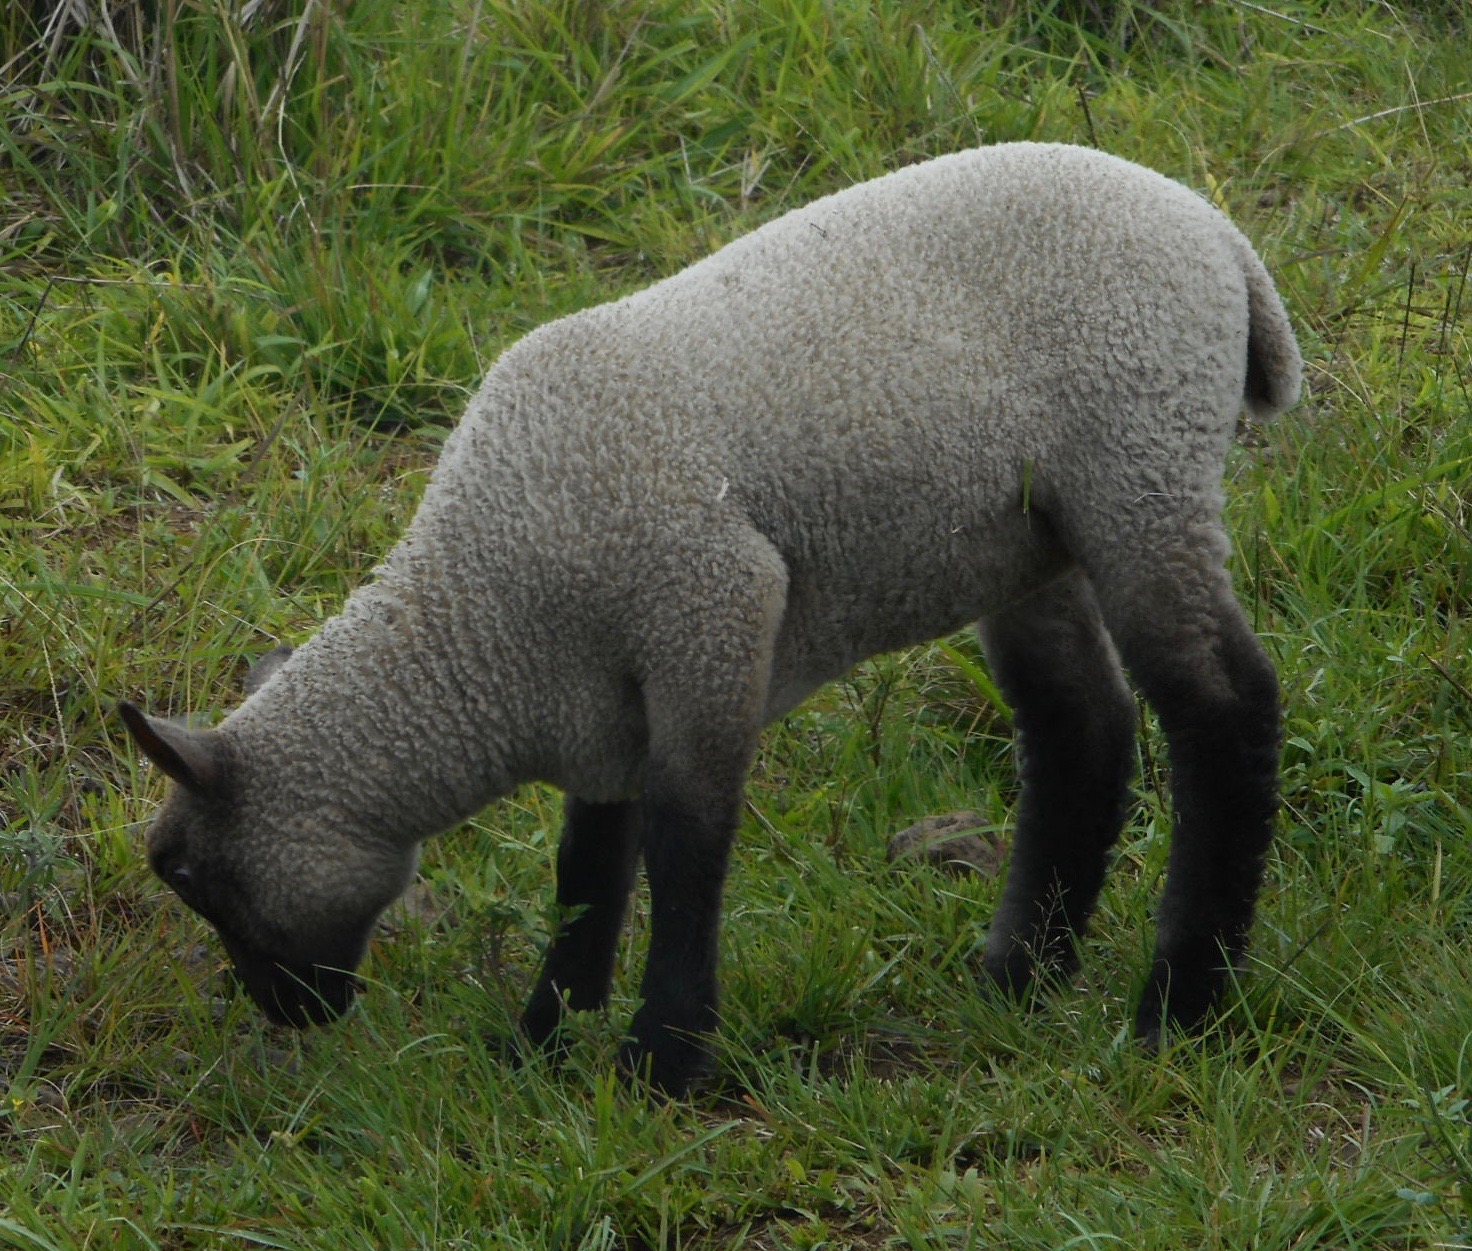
[{"x": 998, "y": 386}]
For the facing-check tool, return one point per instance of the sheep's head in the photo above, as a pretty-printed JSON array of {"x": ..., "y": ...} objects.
[{"x": 292, "y": 890}]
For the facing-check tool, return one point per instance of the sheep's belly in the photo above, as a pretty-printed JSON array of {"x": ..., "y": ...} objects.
[{"x": 839, "y": 613}]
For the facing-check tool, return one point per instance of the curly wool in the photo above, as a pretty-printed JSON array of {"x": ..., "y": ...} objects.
[{"x": 863, "y": 412}]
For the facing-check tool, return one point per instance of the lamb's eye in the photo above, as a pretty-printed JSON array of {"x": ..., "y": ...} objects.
[{"x": 174, "y": 872}]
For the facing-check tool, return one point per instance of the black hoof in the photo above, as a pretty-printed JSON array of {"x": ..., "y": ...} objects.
[
  {"x": 1022, "y": 978},
  {"x": 516, "y": 1051},
  {"x": 1174, "y": 1006},
  {"x": 673, "y": 1070}
]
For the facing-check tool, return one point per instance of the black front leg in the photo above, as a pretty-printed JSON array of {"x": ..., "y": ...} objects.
[
  {"x": 708, "y": 642},
  {"x": 687, "y": 842},
  {"x": 597, "y": 861}
]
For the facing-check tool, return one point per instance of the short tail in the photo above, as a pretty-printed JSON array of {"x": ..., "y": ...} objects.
[{"x": 1274, "y": 366}]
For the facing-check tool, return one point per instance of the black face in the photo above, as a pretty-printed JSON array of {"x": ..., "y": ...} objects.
[
  {"x": 293, "y": 895},
  {"x": 288, "y": 992},
  {"x": 291, "y": 994}
]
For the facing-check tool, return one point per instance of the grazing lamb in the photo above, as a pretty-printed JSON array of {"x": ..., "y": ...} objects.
[{"x": 996, "y": 386}]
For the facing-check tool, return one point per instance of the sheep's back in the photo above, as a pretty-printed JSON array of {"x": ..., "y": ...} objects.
[{"x": 888, "y": 384}]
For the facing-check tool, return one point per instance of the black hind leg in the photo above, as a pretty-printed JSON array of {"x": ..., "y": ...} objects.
[
  {"x": 1188, "y": 646},
  {"x": 597, "y": 861},
  {"x": 1075, "y": 723}
]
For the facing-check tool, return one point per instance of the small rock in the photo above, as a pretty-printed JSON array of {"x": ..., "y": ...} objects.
[
  {"x": 420, "y": 906},
  {"x": 959, "y": 842}
]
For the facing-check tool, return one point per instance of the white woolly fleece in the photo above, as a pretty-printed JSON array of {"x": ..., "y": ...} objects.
[{"x": 665, "y": 520}]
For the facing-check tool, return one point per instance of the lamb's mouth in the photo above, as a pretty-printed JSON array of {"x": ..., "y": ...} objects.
[{"x": 292, "y": 994}]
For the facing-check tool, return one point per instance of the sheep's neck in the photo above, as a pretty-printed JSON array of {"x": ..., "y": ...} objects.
[{"x": 377, "y": 710}]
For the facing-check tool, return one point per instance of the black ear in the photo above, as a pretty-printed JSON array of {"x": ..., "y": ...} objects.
[
  {"x": 188, "y": 756},
  {"x": 261, "y": 672}
]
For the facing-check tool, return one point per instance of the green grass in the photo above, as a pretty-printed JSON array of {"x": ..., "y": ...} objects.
[{"x": 249, "y": 271}]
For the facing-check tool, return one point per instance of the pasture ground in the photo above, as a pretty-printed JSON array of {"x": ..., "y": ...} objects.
[{"x": 253, "y": 257}]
